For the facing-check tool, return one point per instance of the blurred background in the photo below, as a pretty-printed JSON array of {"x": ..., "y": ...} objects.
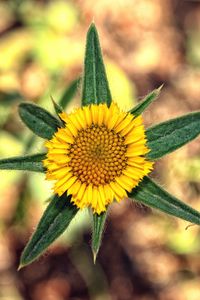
[{"x": 145, "y": 254}]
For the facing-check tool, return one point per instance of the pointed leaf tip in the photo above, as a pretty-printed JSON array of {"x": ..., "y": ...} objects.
[
  {"x": 21, "y": 266},
  {"x": 53, "y": 223},
  {"x": 153, "y": 195},
  {"x": 95, "y": 88},
  {"x": 94, "y": 257},
  {"x": 160, "y": 88},
  {"x": 97, "y": 232},
  {"x": 58, "y": 109},
  {"x": 92, "y": 27},
  {"x": 170, "y": 135},
  {"x": 144, "y": 104},
  {"x": 37, "y": 119}
]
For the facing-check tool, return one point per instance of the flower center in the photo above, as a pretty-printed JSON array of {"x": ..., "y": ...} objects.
[{"x": 98, "y": 155}]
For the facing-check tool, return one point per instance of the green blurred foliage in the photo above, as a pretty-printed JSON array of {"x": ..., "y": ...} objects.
[{"x": 193, "y": 48}]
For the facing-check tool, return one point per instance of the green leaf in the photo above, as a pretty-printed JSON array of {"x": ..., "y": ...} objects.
[
  {"x": 53, "y": 223},
  {"x": 58, "y": 109},
  {"x": 151, "y": 194},
  {"x": 39, "y": 120},
  {"x": 171, "y": 135},
  {"x": 95, "y": 84},
  {"x": 8, "y": 98},
  {"x": 142, "y": 105},
  {"x": 69, "y": 93},
  {"x": 27, "y": 163},
  {"x": 97, "y": 232}
]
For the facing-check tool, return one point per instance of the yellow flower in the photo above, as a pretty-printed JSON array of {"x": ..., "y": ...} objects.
[{"x": 98, "y": 156}]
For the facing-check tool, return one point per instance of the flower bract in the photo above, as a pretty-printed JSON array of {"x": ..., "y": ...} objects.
[{"x": 97, "y": 156}]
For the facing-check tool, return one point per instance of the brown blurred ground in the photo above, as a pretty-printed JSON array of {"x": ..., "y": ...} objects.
[{"x": 145, "y": 255}]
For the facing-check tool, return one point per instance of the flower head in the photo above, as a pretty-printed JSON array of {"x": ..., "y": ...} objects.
[{"x": 98, "y": 156}]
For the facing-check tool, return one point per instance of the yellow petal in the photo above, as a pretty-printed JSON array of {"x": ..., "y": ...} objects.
[
  {"x": 95, "y": 198},
  {"x": 63, "y": 136},
  {"x": 94, "y": 112},
  {"x": 112, "y": 121},
  {"x": 117, "y": 189},
  {"x": 90, "y": 192},
  {"x": 122, "y": 116},
  {"x": 125, "y": 182},
  {"x": 133, "y": 173},
  {"x": 73, "y": 190},
  {"x": 72, "y": 129},
  {"x": 58, "y": 151},
  {"x": 68, "y": 184},
  {"x": 58, "y": 158},
  {"x": 138, "y": 120},
  {"x": 80, "y": 116},
  {"x": 128, "y": 129},
  {"x": 100, "y": 115},
  {"x": 85, "y": 198},
  {"x": 63, "y": 171},
  {"x": 61, "y": 181},
  {"x": 102, "y": 195},
  {"x": 88, "y": 115},
  {"x": 81, "y": 191},
  {"x": 63, "y": 117},
  {"x": 100, "y": 207},
  {"x": 108, "y": 193},
  {"x": 140, "y": 150},
  {"x": 124, "y": 123},
  {"x": 132, "y": 139},
  {"x": 74, "y": 121}
]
